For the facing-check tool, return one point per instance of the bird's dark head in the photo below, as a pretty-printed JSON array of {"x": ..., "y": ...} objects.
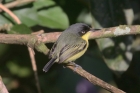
[{"x": 79, "y": 29}]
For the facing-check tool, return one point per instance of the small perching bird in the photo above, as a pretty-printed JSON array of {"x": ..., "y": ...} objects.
[{"x": 71, "y": 44}]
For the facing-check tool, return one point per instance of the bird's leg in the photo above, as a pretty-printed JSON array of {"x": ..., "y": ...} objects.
[
  {"x": 74, "y": 64},
  {"x": 64, "y": 66},
  {"x": 67, "y": 64}
]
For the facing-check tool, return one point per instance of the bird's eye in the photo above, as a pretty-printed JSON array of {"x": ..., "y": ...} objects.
[{"x": 83, "y": 32}]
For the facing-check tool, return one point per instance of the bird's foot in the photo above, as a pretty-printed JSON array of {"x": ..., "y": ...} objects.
[
  {"x": 64, "y": 66},
  {"x": 74, "y": 64}
]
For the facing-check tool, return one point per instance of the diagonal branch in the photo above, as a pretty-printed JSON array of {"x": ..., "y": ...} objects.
[
  {"x": 95, "y": 80},
  {"x": 17, "y": 3},
  {"x": 16, "y": 19}
]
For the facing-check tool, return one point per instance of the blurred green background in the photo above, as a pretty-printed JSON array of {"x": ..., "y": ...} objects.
[{"x": 114, "y": 60}]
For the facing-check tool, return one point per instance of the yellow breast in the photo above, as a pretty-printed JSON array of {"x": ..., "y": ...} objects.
[{"x": 74, "y": 57}]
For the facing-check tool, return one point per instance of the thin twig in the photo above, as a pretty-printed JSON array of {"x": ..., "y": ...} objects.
[
  {"x": 31, "y": 52},
  {"x": 3, "y": 89},
  {"x": 32, "y": 57},
  {"x": 16, "y": 19},
  {"x": 17, "y": 3}
]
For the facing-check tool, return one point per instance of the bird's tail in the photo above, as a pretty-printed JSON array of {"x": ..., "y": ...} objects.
[{"x": 48, "y": 65}]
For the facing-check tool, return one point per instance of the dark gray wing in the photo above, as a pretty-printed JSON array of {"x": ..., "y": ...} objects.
[{"x": 70, "y": 50}]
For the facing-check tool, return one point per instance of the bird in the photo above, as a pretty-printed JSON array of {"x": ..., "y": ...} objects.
[{"x": 70, "y": 45}]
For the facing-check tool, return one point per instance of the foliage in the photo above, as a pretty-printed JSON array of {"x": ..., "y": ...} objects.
[{"x": 115, "y": 60}]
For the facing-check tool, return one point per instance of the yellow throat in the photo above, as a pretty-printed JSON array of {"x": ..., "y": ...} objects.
[{"x": 86, "y": 36}]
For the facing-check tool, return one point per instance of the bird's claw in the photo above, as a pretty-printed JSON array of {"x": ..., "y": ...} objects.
[{"x": 75, "y": 65}]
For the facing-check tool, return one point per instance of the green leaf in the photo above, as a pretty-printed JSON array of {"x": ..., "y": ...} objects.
[
  {"x": 20, "y": 29},
  {"x": 85, "y": 17},
  {"x": 3, "y": 49},
  {"x": 3, "y": 20},
  {"x": 7, "y": 1},
  {"x": 108, "y": 16},
  {"x": 27, "y": 16},
  {"x": 115, "y": 56},
  {"x": 18, "y": 70},
  {"x": 43, "y": 3},
  {"x": 14, "y": 68},
  {"x": 24, "y": 72},
  {"x": 54, "y": 18}
]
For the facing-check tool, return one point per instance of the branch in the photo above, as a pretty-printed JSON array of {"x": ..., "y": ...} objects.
[
  {"x": 95, "y": 80},
  {"x": 116, "y": 31},
  {"x": 37, "y": 40},
  {"x": 2, "y": 87},
  {"x": 52, "y": 37}
]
